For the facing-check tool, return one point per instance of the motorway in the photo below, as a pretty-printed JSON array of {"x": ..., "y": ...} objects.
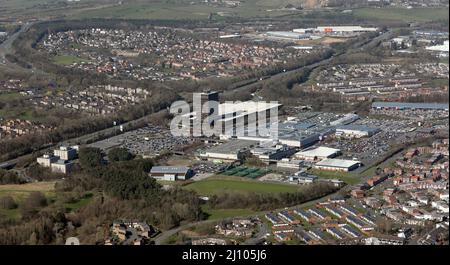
[
  {"x": 6, "y": 46},
  {"x": 361, "y": 46}
]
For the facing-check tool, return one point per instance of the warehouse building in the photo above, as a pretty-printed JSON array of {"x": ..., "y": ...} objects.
[
  {"x": 303, "y": 178},
  {"x": 287, "y": 35},
  {"x": 171, "y": 173},
  {"x": 347, "y": 119},
  {"x": 318, "y": 153},
  {"x": 269, "y": 154},
  {"x": 231, "y": 119},
  {"x": 234, "y": 150},
  {"x": 337, "y": 165},
  {"x": 335, "y": 30},
  {"x": 291, "y": 164},
  {"x": 356, "y": 131},
  {"x": 294, "y": 138},
  {"x": 345, "y": 29}
]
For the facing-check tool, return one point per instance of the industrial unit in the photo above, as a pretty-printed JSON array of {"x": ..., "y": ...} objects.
[
  {"x": 233, "y": 150},
  {"x": 287, "y": 35},
  {"x": 318, "y": 153},
  {"x": 234, "y": 118},
  {"x": 356, "y": 131},
  {"x": 269, "y": 154},
  {"x": 337, "y": 165},
  {"x": 335, "y": 30},
  {"x": 171, "y": 173}
]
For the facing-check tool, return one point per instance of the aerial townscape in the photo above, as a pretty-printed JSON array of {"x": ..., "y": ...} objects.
[{"x": 330, "y": 117}]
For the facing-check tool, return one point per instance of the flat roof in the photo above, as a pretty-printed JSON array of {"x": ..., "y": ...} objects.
[
  {"x": 235, "y": 110},
  {"x": 321, "y": 151},
  {"x": 169, "y": 169},
  {"x": 62, "y": 162},
  {"x": 406, "y": 105},
  {"x": 294, "y": 125},
  {"x": 340, "y": 163},
  {"x": 358, "y": 128},
  {"x": 231, "y": 147}
]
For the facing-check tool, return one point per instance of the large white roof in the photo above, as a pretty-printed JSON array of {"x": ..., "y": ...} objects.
[
  {"x": 341, "y": 163},
  {"x": 320, "y": 151},
  {"x": 232, "y": 110}
]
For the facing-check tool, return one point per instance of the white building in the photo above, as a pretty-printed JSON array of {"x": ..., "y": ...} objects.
[
  {"x": 171, "y": 173},
  {"x": 337, "y": 165},
  {"x": 46, "y": 160},
  {"x": 318, "y": 153},
  {"x": 303, "y": 178},
  {"x": 290, "y": 164},
  {"x": 356, "y": 131},
  {"x": 61, "y": 166},
  {"x": 233, "y": 150},
  {"x": 268, "y": 154},
  {"x": 287, "y": 35},
  {"x": 232, "y": 119},
  {"x": 345, "y": 29},
  {"x": 65, "y": 153},
  {"x": 439, "y": 48}
]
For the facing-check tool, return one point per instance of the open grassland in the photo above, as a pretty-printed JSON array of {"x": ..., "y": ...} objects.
[
  {"x": 16, "y": 113},
  {"x": 217, "y": 185},
  {"x": 185, "y": 10},
  {"x": 216, "y": 214},
  {"x": 21, "y": 191},
  {"x": 347, "y": 177},
  {"x": 48, "y": 8},
  {"x": 10, "y": 96},
  {"x": 403, "y": 14},
  {"x": 67, "y": 59},
  {"x": 78, "y": 204}
]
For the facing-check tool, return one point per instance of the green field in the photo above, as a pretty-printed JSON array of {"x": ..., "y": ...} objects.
[
  {"x": 214, "y": 214},
  {"x": 403, "y": 14},
  {"x": 349, "y": 178},
  {"x": 17, "y": 114},
  {"x": 217, "y": 185},
  {"x": 20, "y": 192},
  {"x": 9, "y": 96},
  {"x": 186, "y": 10},
  {"x": 67, "y": 59},
  {"x": 10, "y": 214},
  {"x": 77, "y": 205}
]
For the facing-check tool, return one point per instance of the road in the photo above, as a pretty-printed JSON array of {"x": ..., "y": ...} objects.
[
  {"x": 357, "y": 46},
  {"x": 6, "y": 46},
  {"x": 164, "y": 236},
  {"x": 81, "y": 139}
]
